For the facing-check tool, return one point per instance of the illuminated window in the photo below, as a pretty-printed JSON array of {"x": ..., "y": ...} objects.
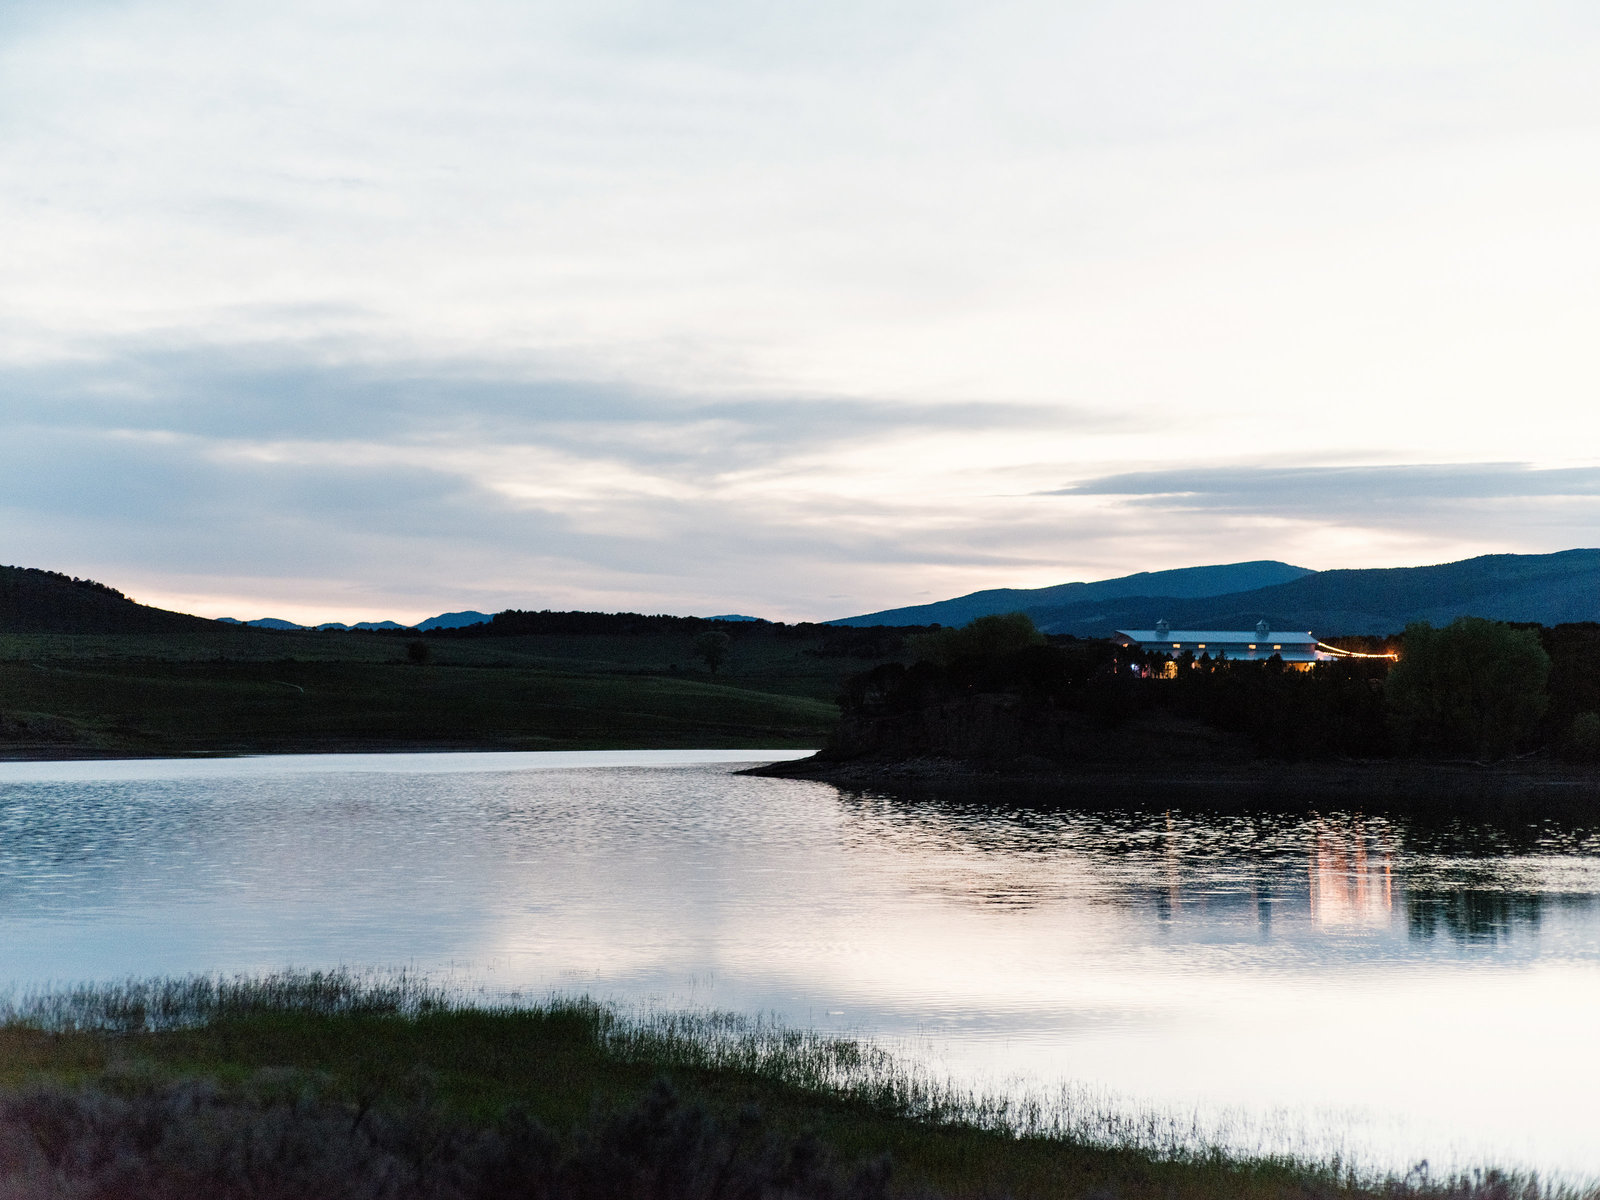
[
  {"x": 1176, "y": 645},
  {"x": 1202, "y": 645},
  {"x": 1277, "y": 647},
  {"x": 1252, "y": 645}
]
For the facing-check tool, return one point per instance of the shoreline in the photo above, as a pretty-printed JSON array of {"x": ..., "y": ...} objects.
[
  {"x": 365, "y": 1075},
  {"x": 1254, "y": 783},
  {"x": 1515, "y": 787},
  {"x": 57, "y": 753}
]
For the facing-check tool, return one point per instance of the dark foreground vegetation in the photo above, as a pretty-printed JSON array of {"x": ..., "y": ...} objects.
[
  {"x": 328, "y": 1087},
  {"x": 86, "y": 671},
  {"x": 998, "y": 695}
]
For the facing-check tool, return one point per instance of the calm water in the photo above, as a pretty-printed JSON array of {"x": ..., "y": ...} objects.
[{"x": 1310, "y": 983}]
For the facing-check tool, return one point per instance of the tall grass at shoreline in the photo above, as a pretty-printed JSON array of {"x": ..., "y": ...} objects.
[
  {"x": 403, "y": 1046},
  {"x": 166, "y": 1004},
  {"x": 858, "y": 1071}
]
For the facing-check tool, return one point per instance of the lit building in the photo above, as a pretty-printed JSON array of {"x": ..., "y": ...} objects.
[{"x": 1298, "y": 650}]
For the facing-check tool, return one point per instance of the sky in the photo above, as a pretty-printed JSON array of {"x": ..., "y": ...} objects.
[{"x": 344, "y": 310}]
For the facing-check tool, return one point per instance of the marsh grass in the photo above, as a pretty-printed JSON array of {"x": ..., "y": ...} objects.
[
  {"x": 571, "y": 1086},
  {"x": 193, "y": 1001}
]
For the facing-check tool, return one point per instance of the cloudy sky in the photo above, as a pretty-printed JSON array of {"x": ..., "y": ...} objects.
[{"x": 334, "y": 309}]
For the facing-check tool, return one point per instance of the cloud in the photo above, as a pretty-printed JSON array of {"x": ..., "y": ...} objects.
[
  {"x": 1382, "y": 493},
  {"x": 751, "y": 307},
  {"x": 1359, "y": 515},
  {"x": 216, "y": 473},
  {"x": 288, "y": 474},
  {"x": 276, "y": 391}
]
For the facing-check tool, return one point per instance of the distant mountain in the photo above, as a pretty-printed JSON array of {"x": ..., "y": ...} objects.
[
  {"x": 737, "y": 617},
  {"x": 1548, "y": 588},
  {"x": 443, "y": 621},
  {"x": 455, "y": 620},
  {"x": 1185, "y": 582},
  {"x": 1551, "y": 589}
]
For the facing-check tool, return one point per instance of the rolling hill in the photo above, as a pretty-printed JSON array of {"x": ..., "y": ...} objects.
[
  {"x": 1185, "y": 582},
  {"x": 35, "y": 601},
  {"x": 85, "y": 671},
  {"x": 1551, "y": 589}
]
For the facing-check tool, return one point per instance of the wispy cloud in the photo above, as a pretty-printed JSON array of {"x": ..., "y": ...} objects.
[
  {"x": 265, "y": 466},
  {"x": 1371, "y": 493}
]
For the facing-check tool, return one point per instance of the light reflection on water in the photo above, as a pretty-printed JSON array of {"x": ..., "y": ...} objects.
[{"x": 1403, "y": 991}]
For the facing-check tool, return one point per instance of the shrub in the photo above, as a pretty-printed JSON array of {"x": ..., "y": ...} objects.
[
  {"x": 1583, "y": 737},
  {"x": 282, "y": 1136},
  {"x": 712, "y": 647},
  {"x": 1475, "y": 686},
  {"x": 983, "y": 639}
]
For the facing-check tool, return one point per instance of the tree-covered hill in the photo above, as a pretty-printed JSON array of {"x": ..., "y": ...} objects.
[
  {"x": 36, "y": 601},
  {"x": 1547, "y": 589},
  {"x": 86, "y": 671}
]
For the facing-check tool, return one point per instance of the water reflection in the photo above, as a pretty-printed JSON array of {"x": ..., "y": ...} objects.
[
  {"x": 1473, "y": 884},
  {"x": 1472, "y": 916},
  {"x": 1209, "y": 961},
  {"x": 1351, "y": 874}
]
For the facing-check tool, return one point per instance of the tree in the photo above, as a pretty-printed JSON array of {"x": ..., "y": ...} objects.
[
  {"x": 419, "y": 652},
  {"x": 1583, "y": 737},
  {"x": 982, "y": 638},
  {"x": 1475, "y": 686},
  {"x": 713, "y": 646}
]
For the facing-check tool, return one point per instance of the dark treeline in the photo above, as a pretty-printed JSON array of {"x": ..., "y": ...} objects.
[
  {"x": 1474, "y": 689},
  {"x": 835, "y": 640},
  {"x": 1065, "y": 697},
  {"x": 13, "y": 576}
]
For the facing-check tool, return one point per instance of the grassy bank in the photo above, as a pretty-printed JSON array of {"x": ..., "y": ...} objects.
[
  {"x": 327, "y": 1085},
  {"x": 232, "y": 690},
  {"x": 77, "y": 706}
]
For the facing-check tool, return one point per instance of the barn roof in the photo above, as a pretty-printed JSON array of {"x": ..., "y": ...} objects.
[{"x": 1247, "y": 636}]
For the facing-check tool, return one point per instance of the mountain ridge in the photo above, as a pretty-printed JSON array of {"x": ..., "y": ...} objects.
[
  {"x": 1181, "y": 582},
  {"x": 1550, "y": 589}
]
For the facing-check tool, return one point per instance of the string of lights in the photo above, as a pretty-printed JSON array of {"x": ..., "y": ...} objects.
[{"x": 1354, "y": 653}]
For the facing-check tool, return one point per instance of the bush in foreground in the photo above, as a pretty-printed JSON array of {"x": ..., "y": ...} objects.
[{"x": 279, "y": 1136}]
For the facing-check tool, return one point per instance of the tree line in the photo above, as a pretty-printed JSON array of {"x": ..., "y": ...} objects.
[{"x": 1473, "y": 689}]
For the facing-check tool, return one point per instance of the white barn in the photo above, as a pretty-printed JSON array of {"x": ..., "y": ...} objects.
[{"x": 1299, "y": 650}]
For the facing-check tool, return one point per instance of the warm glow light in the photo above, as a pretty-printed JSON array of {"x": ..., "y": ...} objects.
[{"x": 1334, "y": 650}]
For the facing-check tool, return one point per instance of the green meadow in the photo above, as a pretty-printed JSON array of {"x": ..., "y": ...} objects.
[{"x": 233, "y": 690}]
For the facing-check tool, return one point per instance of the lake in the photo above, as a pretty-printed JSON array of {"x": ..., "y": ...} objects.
[{"x": 1327, "y": 983}]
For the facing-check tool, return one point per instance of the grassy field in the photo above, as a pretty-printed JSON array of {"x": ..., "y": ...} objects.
[
  {"x": 390, "y": 1078},
  {"x": 231, "y": 690}
]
